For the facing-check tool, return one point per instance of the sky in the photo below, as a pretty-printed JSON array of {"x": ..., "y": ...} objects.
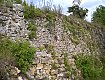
[{"x": 91, "y": 5}]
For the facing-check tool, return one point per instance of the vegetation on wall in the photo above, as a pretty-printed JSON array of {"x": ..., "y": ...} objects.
[
  {"x": 9, "y": 3},
  {"x": 67, "y": 66},
  {"x": 19, "y": 53},
  {"x": 90, "y": 66},
  {"x": 32, "y": 28},
  {"x": 6, "y": 58},
  {"x": 23, "y": 54},
  {"x": 99, "y": 15},
  {"x": 30, "y": 12}
]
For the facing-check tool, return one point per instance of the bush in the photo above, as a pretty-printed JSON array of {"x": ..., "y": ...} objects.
[
  {"x": 15, "y": 53},
  {"x": 23, "y": 54},
  {"x": 30, "y": 12},
  {"x": 90, "y": 67},
  {"x": 78, "y": 11},
  {"x": 6, "y": 58}
]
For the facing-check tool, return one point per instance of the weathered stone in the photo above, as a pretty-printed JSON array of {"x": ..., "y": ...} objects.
[
  {"x": 32, "y": 70},
  {"x": 17, "y": 7},
  {"x": 60, "y": 75},
  {"x": 53, "y": 72},
  {"x": 20, "y": 78},
  {"x": 39, "y": 66},
  {"x": 14, "y": 71},
  {"x": 13, "y": 25}
]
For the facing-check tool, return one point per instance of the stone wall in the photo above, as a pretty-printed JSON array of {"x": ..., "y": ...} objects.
[
  {"x": 51, "y": 47},
  {"x": 12, "y": 22}
]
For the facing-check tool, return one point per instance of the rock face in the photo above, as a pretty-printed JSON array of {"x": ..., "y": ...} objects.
[
  {"x": 12, "y": 22},
  {"x": 49, "y": 60}
]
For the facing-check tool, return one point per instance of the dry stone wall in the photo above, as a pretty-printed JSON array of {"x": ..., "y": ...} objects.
[
  {"x": 12, "y": 22},
  {"x": 52, "y": 49}
]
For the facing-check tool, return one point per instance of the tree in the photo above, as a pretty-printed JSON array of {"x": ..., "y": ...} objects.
[
  {"x": 78, "y": 11},
  {"x": 99, "y": 15}
]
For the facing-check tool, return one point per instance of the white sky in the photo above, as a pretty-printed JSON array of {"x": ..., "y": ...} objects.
[{"x": 89, "y": 4}]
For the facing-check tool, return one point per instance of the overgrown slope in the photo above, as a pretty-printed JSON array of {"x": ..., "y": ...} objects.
[{"x": 65, "y": 47}]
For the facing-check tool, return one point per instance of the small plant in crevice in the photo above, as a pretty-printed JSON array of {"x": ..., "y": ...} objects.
[
  {"x": 51, "y": 50},
  {"x": 67, "y": 66},
  {"x": 54, "y": 66},
  {"x": 50, "y": 18},
  {"x": 32, "y": 28},
  {"x": 41, "y": 48},
  {"x": 90, "y": 67},
  {"x": 50, "y": 27}
]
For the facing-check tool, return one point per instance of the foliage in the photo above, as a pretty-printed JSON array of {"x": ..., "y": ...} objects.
[
  {"x": 51, "y": 50},
  {"x": 74, "y": 30},
  {"x": 9, "y": 3},
  {"x": 19, "y": 51},
  {"x": 6, "y": 58},
  {"x": 67, "y": 66},
  {"x": 41, "y": 48},
  {"x": 78, "y": 11},
  {"x": 23, "y": 53},
  {"x": 99, "y": 15},
  {"x": 30, "y": 12},
  {"x": 32, "y": 28},
  {"x": 90, "y": 67},
  {"x": 18, "y": 1},
  {"x": 102, "y": 58},
  {"x": 1, "y": 1},
  {"x": 50, "y": 16}
]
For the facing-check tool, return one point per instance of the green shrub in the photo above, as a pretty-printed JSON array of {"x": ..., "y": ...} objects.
[
  {"x": 90, "y": 67},
  {"x": 32, "y": 28},
  {"x": 30, "y": 12},
  {"x": 50, "y": 16},
  {"x": 32, "y": 35},
  {"x": 102, "y": 58},
  {"x": 6, "y": 58},
  {"x": 24, "y": 54},
  {"x": 18, "y": 1},
  {"x": 16, "y": 53}
]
